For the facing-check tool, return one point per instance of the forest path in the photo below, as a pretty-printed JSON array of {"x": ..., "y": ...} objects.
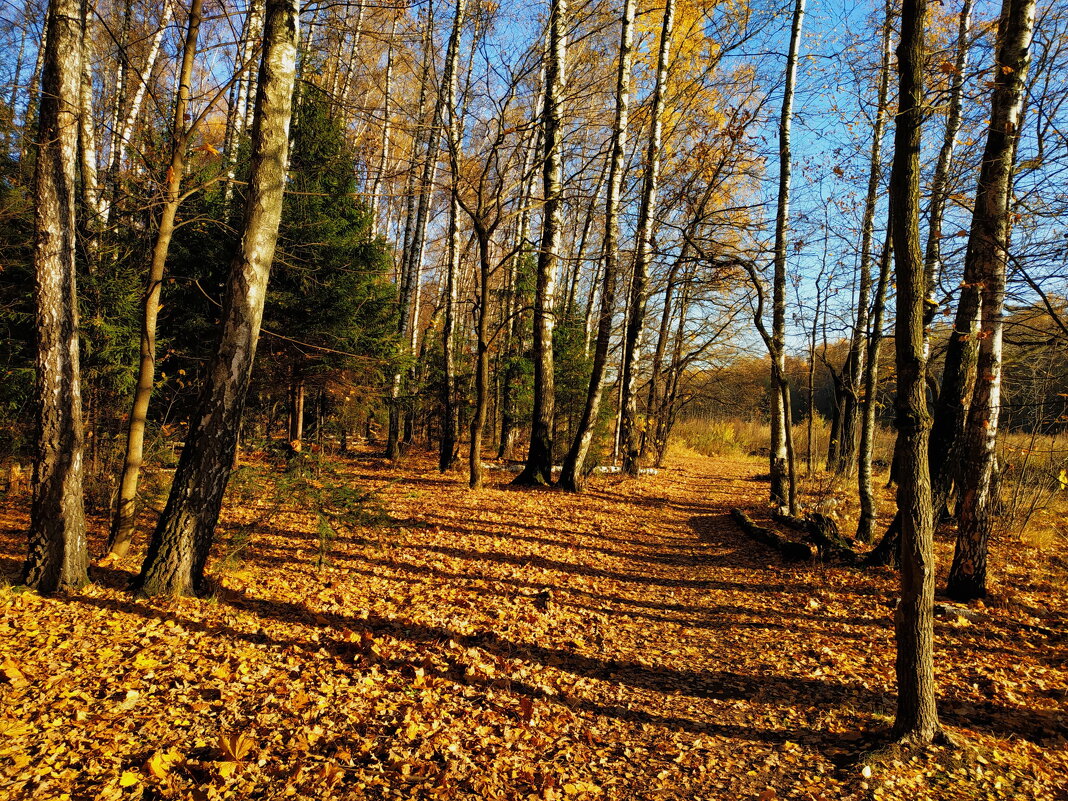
[{"x": 626, "y": 643}]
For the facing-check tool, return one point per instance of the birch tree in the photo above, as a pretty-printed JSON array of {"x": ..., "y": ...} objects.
[
  {"x": 539, "y": 463},
  {"x": 988, "y": 245},
  {"x": 58, "y": 557},
  {"x": 181, "y": 542},
  {"x": 631, "y": 433},
  {"x": 572, "y": 476},
  {"x": 781, "y": 489}
]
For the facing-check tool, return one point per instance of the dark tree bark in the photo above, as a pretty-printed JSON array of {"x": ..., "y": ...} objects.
[
  {"x": 179, "y": 548},
  {"x": 988, "y": 246},
  {"x": 58, "y": 558},
  {"x": 917, "y": 716}
]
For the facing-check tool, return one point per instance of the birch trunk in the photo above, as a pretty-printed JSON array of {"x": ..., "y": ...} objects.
[
  {"x": 988, "y": 247},
  {"x": 539, "y": 464},
  {"x": 631, "y": 433},
  {"x": 780, "y": 415},
  {"x": 450, "y": 413},
  {"x": 181, "y": 543},
  {"x": 573, "y": 474},
  {"x": 57, "y": 558}
]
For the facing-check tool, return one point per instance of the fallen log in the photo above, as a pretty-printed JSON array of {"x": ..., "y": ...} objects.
[
  {"x": 822, "y": 532},
  {"x": 790, "y": 549}
]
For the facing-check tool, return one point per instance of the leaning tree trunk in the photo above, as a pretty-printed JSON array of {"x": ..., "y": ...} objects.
[
  {"x": 182, "y": 540},
  {"x": 122, "y": 526},
  {"x": 57, "y": 558},
  {"x": 572, "y": 475},
  {"x": 988, "y": 248},
  {"x": 631, "y": 434},
  {"x": 917, "y": 716},
  {"x": 780, "y": 415},
  {"x": 539, "y": 464}
]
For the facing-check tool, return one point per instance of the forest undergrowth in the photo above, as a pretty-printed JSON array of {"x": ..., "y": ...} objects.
[{"x": 410, "y": 638}]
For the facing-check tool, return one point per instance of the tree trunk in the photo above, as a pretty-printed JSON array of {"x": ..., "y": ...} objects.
[
  {"x": 868, "y": 403},
  {"x": 780, "y": 416},
  {"x": 296, "y": 410},
  {"x": 478, "y": 422},
  {"x": 57, "y": 558},
  {"x": 988, "y": 248},
  {"x": 450, "y": 412},
  {"x": 572, "y": 475},
  {"x": 181, "y": 543},
  {"x": 415, "y": 224},
  {"x": 539, "y": 464},
  {"x": 631, "y": 434},
  {"x": 122, "y": 526},
  {"x": 917, "y": 716}
]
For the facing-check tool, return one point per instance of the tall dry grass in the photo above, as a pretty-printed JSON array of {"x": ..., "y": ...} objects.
[
  {"x": 737, "y": 437},
  {"x": 1034, "y": 471}
]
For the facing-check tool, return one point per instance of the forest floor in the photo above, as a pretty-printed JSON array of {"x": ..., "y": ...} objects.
[{"x": 628, "y": 643}]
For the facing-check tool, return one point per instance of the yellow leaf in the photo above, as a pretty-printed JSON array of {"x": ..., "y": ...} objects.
[
  {"x": 128, "y": 779},
  {"x": 235, "y": 746},
  {"x": 160, "y": 763},
  {"x": 227, "y": 769},
  {"x": 145, "y": 662},
  {"x": 12, "y": 673}
]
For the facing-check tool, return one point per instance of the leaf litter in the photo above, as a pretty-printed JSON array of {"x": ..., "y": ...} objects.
[{"x": 628, "y": 643}]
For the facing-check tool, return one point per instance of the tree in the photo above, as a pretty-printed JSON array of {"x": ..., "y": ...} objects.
[
  {"x": 539, "y": 464},
  {"x": 782, "y": 489},
  {"x": 122, "y": 527},
  {"x": 917, "y": 717},
  {"x": 986, "y": 260},
  {"x": 631, "y": 431},
  {"x": 572, "y": 475},
  {"x": 58, "y": 558},
  {"x": 181, "y": 542}
]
